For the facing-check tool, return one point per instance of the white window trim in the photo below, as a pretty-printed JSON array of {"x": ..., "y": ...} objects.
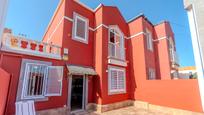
[
  {"x": 74, "y": 35},
  {"x": 25, "y": 81},
  {"x": 119, "y": 34},
  {"x": 21, "y": 94},
  {"x": 150, "y": 45},
  {"x": 120, "y": 91}
]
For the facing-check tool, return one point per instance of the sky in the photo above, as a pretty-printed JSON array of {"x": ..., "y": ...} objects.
[{"x": 31, "y": 17}]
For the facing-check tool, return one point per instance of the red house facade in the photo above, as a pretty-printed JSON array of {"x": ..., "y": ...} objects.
[{"x": 94, "y": 59}]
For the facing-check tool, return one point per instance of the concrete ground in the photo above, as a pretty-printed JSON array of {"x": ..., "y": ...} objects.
[{"x": 126, "y": 111}]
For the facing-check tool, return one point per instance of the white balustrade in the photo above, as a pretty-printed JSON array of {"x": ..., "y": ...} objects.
[{"x": 21, "y": 45}]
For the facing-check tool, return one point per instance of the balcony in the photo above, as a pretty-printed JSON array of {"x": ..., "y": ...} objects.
[
  {"x": 116, "y": 55},
  {"x": 21, "y": 45},
  {"x": 174, "y": 59}
]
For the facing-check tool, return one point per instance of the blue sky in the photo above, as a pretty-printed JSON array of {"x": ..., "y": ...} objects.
[{"x": 31, "y": 17}]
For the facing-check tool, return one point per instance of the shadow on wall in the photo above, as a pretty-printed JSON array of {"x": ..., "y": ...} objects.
[{"x": 4, "y": 86}]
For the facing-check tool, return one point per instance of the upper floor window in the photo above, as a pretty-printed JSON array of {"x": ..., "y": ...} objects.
[
  {"x": 151, "y": 74},
  {"x": 149, "y": 40},
  {"x": 80, "y": 28},
  {"x": 171, "y": 49},
  {"x": 41, "y": 80},
  {"x": 116, "y": 43}
]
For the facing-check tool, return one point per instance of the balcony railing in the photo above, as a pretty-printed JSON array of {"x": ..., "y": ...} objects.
[
  {"x": 21, "y": 45},
  {"x": 116, "y": 52},
  {"x": 174, "y": 57}
]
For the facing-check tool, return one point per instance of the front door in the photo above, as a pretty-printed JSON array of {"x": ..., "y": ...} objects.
[{"x": 77, "y": 92}]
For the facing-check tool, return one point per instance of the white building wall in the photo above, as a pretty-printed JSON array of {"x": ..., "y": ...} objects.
[
  {"x": 3, "y": 11},
  {"x": 195, "y": 10}
]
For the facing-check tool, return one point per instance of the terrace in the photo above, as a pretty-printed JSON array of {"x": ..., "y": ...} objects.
[{"x": 21, "y": 45}]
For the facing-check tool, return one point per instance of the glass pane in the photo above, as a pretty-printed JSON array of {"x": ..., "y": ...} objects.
[
  {"x": 81, "y": 28},
  {"x": 117, "y": 39},
  {"x": 121, "y": 80},
  {"x": 111, "y": 50},
  {"x": 112, "y": 37},
  {"x": 113, "y": 80},
  {"x": 35, "y": 80},
  {"x": 54, "y": 82}
]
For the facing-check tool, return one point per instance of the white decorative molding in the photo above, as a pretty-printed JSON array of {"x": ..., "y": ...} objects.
[
  {"x": 68, "y": 18},
  {"x": 28, "y": 52},
  {"x": 15, "y": 44},
  {"x": 161, "y": 38},
  {"x": 117, "y": 62},
  {"x": 50, "y": 37},
  {"x": 105, "y": 26},
  {"x": 135, "y": 35}
]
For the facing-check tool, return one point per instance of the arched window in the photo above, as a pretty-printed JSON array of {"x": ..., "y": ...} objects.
[{"x": 116, "y": 43}]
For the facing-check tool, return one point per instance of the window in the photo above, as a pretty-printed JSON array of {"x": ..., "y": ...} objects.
[
  {"x": 117, "y": 82},
  {"x": 171, "y": 49},
  {"x": 41, "y": 80},
  {"x": 151, "y": 74},
  {"x": 149, "y": 40},
  {"x": 80, "y": 28},
  {"x": 116, "y": 44}
]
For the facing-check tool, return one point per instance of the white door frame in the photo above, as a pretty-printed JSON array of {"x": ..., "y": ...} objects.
[{"x": 85, "y": 92}]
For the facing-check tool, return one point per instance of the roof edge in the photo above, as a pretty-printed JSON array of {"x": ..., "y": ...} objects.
[
  {"x": 53, "y": 16},
  {"x": 136, "y": 17}
]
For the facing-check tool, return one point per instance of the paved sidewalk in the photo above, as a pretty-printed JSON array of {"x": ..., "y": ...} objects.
[{"x": 130, "y": 111}]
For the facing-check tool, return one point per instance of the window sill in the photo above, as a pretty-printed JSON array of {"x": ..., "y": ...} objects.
[
  {"x": 36, "y": 99},
  {"x": 117, "y": 62},
  {"x": 85, "y": 41},
  {"x": 117, "y": 93}
]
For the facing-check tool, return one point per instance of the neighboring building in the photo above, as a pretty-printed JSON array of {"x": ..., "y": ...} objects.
[
  {"x": 3, "y": 10},
  {"x": 185, "y": 72},
  {"x": 195, "y": 10},
  {"x": 94, "y": 59}
]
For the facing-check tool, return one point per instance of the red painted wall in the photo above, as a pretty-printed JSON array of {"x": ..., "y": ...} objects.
[
  {"x": 136, "y": 60},
  {"x": 181, "y": 94},
  {"x": 79, "y": 53},
  {"x": 103, "y": 16},
  {"x": 4, "y": 86},
  {"x": 149, "y": 55},
  {"x": 95, "y": 54},
  {"x": 55, "y": 30},
  {"x": 162, "y": 51},
  {"x": 12, "y": 64}
]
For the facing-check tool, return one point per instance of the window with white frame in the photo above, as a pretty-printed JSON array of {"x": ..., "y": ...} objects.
[
  {"x": 151, "y": 74},
  {"x": 80, "y": 28},
  {"x": 116, "y": 43},
  {"x": 149, "y": 40},
  {"x": 41, "y": 80},
  {"x": 117, "y": 80}
]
